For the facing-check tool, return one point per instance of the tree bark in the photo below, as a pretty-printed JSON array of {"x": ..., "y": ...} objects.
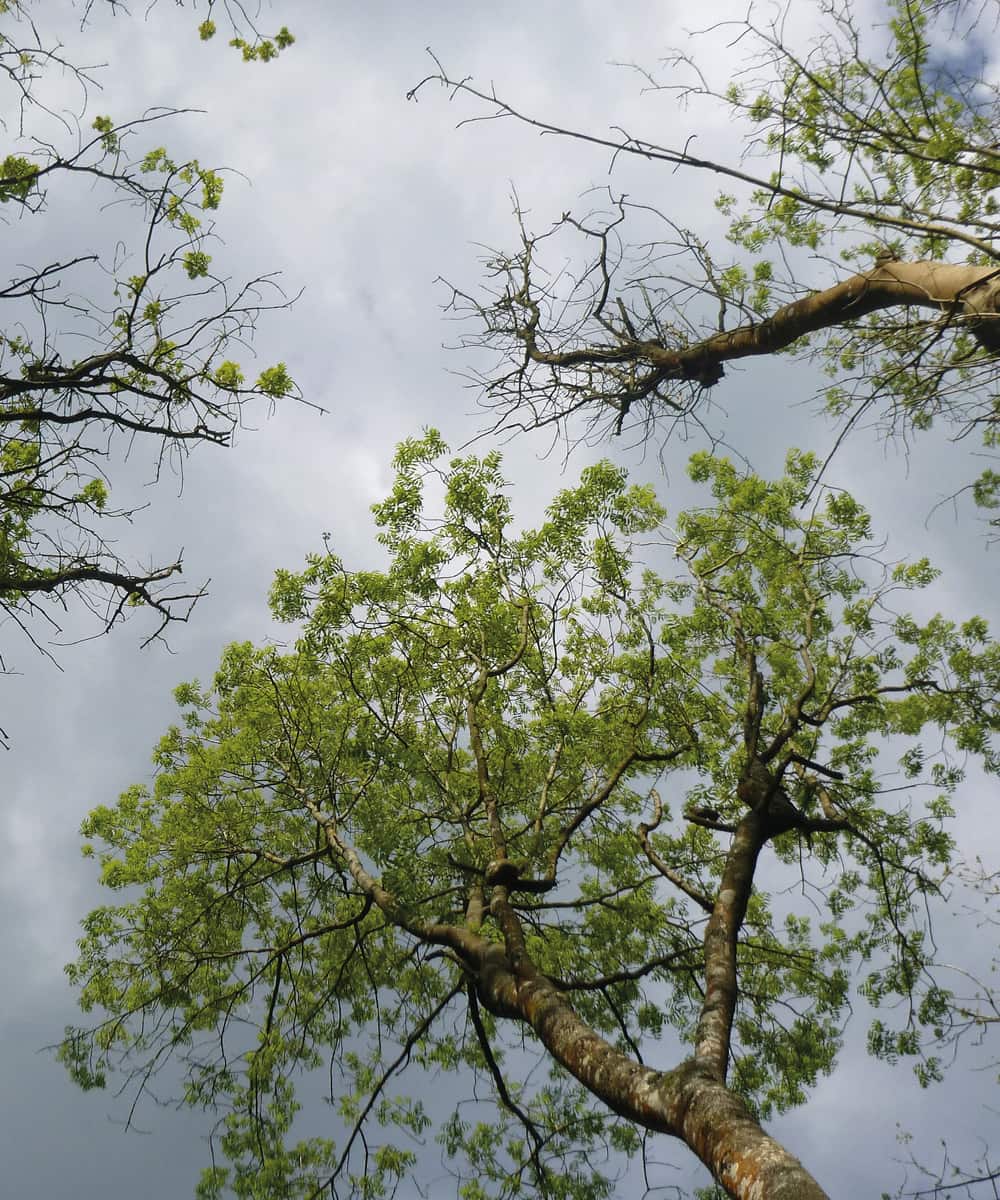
[
  {"x": 715, "y": 1026},
  {"x": 689, "y": 1102},
  {"x": 970, "y": 293}
]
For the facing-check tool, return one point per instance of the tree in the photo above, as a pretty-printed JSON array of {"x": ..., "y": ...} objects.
[
  {"x": 145, "y": 355},
  {"x": 544, "y": 785},
  {"x": 866, "y": 240}
]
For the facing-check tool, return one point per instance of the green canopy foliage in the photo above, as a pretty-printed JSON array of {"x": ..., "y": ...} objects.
[{"x": 532, "y": 755}]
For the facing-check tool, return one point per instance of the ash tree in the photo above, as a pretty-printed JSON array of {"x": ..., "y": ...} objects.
[
  {"x": 107, "y": 348},
  {"x": 514, "y": 821},
  {"x": 863, "y": 217}
]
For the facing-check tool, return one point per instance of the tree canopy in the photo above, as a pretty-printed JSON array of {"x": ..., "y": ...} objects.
[
  {"x": 107, "y": 346},
  {"x": 544, "y": 788},
  {"x": 863, "y": 222}
]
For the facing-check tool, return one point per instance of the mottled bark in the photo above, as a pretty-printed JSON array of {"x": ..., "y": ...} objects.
[
  {"x": 719, "y": 1128},
  {"x": 715, "y": 1025},
  {"x": 690, "y": 1102}
]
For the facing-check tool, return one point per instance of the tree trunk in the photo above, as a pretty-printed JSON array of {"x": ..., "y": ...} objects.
[{"x": 689, "y": 1102}]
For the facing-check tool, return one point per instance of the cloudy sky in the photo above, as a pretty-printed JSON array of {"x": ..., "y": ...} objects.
[{"x": 363, "y": 200}]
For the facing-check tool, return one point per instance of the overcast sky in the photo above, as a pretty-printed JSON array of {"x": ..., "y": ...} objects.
[{"x": 363, "y": 200}]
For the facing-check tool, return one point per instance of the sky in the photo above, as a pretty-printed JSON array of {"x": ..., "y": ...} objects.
[{"x": 364, "y": 201}]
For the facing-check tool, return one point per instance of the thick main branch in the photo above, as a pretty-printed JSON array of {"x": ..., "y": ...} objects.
[
  {"x": 690, "y": 1102},
  {"x": 969, "y": 293},
  {"x": 715, "y": 1026}
]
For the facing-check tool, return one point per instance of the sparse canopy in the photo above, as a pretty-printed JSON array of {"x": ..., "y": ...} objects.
[
  {"x": 107, "y": 347},
  {"x": 543, "y": 784},
  {"x": 864, "y": 219}
]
